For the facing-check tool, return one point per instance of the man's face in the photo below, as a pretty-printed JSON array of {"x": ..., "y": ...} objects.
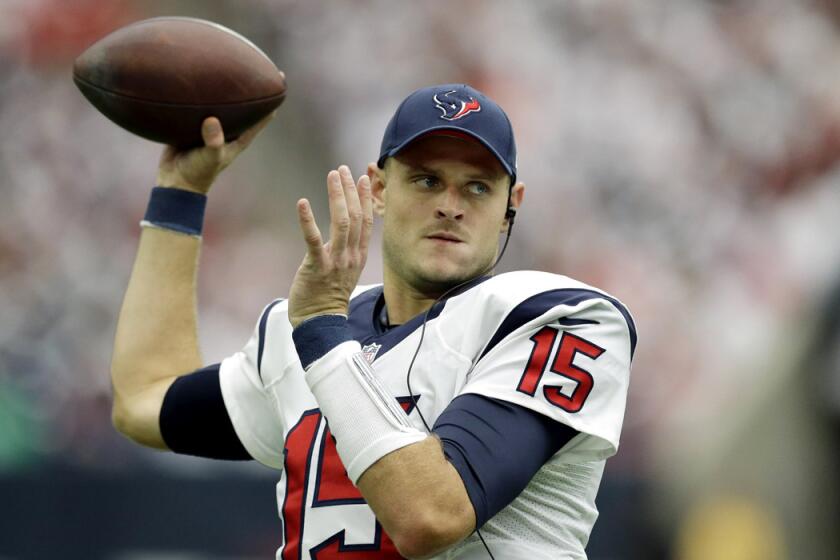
[{"x": 443, "y": 203}]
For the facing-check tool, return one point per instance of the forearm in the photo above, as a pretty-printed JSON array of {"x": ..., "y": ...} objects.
[
  {"x": 157, "y": 335},
  {"x": 157, "y": 332},
  {"x": 419, "y": 498}
]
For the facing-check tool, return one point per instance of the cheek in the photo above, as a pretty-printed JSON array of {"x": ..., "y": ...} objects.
[
  {"x": 404, "y": 211},
  {"x": 397, "y": 228},
  {"x": 489, "y": 244},
  {"x": 489, "y": 236}
]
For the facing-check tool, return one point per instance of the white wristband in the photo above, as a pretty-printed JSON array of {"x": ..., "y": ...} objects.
[{"x": 365, "y": 419}]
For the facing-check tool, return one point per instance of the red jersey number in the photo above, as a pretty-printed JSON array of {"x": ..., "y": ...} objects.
[
  {"x": 332, "y": 489},
  {"x": 569, "y": 346}
]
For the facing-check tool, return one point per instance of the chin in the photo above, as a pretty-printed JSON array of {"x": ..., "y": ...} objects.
[
  {"x": 433, "y": 273},
  {"x": 445, "y": 278}
]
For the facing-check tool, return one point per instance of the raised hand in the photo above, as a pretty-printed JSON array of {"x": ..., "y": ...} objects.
[
  {"x": 196, "y": 169},
  {"x": 330, "y": 271}
]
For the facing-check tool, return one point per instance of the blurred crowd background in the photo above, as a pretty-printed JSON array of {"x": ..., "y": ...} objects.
[{"x": 681, "y": 154}]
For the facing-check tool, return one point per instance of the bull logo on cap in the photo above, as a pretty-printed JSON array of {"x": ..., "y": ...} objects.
[{"x": 454, "y": 105}]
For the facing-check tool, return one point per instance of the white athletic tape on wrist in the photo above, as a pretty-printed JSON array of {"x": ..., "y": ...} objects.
[
  {"x": 365, "y": 419},
  {"x": 380, "y": 395}
]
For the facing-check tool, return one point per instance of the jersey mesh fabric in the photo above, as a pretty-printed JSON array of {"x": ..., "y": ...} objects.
[{"x": 531, "y": 517}]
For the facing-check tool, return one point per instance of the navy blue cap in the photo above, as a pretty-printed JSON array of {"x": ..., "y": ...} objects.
[{"x": 456, "y": 107}]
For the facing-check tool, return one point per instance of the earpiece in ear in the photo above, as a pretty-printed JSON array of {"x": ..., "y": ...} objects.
[{"x": 510, "y": 215}]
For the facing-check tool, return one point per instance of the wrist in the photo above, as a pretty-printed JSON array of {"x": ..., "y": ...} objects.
[
  {"x": 298, "y": 318},
  {"x": 175, "y": 210},
  {"x": 365, "y": 419},
  {"x": 318, "y": 335},
  {"x": 175, "y": 181}
]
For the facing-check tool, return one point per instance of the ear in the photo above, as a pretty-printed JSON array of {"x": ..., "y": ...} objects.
[
  {"x": 377, "y": 188},
  {"x": 517, "y": 195}
]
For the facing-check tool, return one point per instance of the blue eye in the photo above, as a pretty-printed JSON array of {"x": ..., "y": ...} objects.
[
  {"x": 427, "y": 181},
  {"x": 478, "y": 188}
]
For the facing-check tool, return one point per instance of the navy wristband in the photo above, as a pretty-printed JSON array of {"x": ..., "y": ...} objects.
[
  {"x": 316, "y": 336},
  {"x": 176, "y": 209}
]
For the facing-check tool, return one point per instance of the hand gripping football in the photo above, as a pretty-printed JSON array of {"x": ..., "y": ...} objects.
[{"x": 160, "y": 78}]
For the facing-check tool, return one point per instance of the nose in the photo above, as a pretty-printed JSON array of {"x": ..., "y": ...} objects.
[{"x": 449, "y": 205}]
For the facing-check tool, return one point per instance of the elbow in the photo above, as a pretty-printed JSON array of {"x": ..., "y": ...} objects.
[
  {"x": 426, "y": 534},
  {"x": 125, "y": 420},
  {"x": 139, "y": 425},
  {"x": 135, "y": 415},
  {"x": 121, "y": 418}
]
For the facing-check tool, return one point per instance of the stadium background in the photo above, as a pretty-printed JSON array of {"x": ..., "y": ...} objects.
[{"x": 679, "y": 154}]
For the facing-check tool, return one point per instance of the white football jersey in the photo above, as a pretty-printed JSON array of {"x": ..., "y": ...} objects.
[{"x": 542, "y": 341}]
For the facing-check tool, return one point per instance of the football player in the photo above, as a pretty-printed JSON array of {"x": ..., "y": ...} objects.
[{"x": 446, "y": 412}]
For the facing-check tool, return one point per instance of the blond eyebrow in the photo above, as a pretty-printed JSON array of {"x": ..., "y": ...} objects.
[
  {"x": 489, "y": 177},
  {"x": 414, "y": 168}
]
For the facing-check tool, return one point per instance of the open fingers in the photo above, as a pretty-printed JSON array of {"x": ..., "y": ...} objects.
[
  {"x": 311, "y": 233},
  {"x": 339, "y": 218},
  {"x": 366, "y": 202},
  {"x": 354, "y": 207}
]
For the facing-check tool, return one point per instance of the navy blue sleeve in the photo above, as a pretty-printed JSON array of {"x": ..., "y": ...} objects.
[
  {"x": 194, "y": 420},
  {"x": 497, "y": 447}
]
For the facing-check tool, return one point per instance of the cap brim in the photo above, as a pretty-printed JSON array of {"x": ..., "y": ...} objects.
[{"x": 461, "y": 131}]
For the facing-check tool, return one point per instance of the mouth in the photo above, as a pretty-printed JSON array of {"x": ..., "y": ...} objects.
[{"x": 444, "y": 237}]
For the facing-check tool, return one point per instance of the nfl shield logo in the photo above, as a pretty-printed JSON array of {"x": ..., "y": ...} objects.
[{"x": 369, "y": 352}]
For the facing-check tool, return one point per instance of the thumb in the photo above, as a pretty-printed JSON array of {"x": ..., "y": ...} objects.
[{"x": 211, "y": 132}]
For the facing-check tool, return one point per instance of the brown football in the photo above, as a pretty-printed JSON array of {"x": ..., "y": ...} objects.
[{"x": 160, "y": 78}]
